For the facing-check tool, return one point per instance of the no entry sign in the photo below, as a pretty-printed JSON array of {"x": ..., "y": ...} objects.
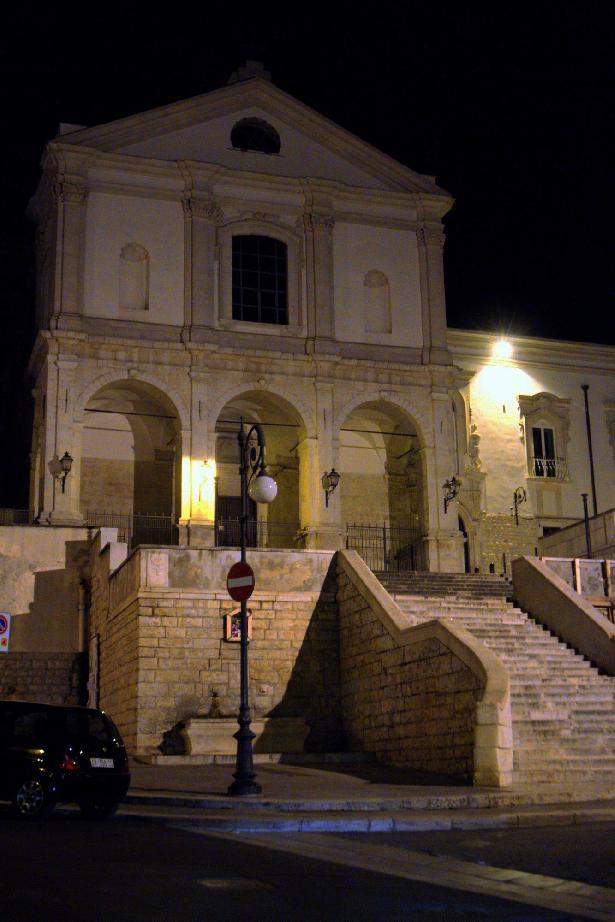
[
  {"x": 5, "y": 631},
  {"x": 240, "y": 581}
]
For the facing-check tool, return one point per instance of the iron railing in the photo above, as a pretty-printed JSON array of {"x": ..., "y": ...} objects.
[
  {"x": 135, "y": 529},
  {"x": 278, "y": 535},
  {"x": 386, "y": 548},
  {"x": 554, "y": 468},
  {"x": 15, "y": 517}
]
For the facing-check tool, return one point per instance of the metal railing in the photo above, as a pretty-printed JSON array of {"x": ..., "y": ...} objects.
[
  {"x": 15, "y": 517},
  {"x": 278, "y": 535},
  {"x": 136, "y": 528},
  {"x": 555, "y": 468},
  {"x": 386, "y": 548}
]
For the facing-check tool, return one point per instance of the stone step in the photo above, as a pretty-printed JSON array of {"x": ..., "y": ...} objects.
[{"x": 563, "y": 711}]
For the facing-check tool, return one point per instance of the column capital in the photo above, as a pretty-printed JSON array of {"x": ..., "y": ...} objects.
[
  {"x": 205, "y": 208},
  {"x": 69, "y": 191}
]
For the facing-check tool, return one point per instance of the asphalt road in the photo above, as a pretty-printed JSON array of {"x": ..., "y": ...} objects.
[{"x": 68, "y": 869}]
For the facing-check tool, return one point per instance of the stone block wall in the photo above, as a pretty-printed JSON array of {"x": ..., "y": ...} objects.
[
  {"x": 499, "y": 535},
  {"x": 163, "y": 650},
  {"x": 183, "y": 659},
  {"x": 52, "y": 678},
  {"x": 412, "y": 704}
]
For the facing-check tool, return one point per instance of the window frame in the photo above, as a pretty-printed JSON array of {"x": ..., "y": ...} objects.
[
  {"x": 252, "y": 247},
  {"x": 546, "y": 412},
  {"x": 294, "y": 265}
]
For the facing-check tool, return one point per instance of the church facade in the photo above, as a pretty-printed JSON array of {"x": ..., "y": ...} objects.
[{"x": 238, "y": 256}]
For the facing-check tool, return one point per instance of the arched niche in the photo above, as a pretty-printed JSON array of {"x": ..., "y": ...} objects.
[
  {"x": 134, "y": 278},
  {"x": 376, "y": 302}
]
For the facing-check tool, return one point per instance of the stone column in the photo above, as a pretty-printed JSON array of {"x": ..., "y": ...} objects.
[
  {"x": 444, "y": 542},
  {"x": 70, "y": 197},
  {"x": 318, "y": 453},
  {"x": 430, "y": 242},
  {"x": 199, "y": 470}
]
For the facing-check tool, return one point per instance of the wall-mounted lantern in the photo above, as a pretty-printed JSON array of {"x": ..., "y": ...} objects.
[
  {"x": 60, "y": 468},
  {"x": 329, "y": 483},
  {"x": 451, "y": 489},
  {"x": 519, "y": 496}
]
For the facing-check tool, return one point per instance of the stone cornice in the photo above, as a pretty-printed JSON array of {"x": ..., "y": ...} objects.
[
  {"x": 113, "y": 173},
  {"x": 255, "y": 92},
  {"x": 202, "y": 358},
  {"x": 547, "y": 353}
]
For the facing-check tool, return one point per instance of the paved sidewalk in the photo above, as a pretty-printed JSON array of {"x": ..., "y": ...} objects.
[{"x": 344, "y": 798}]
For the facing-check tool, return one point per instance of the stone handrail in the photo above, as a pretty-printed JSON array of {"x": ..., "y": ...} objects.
[
  {"x": 548, "y": 598},
  {"x": 493, "y": 747}
]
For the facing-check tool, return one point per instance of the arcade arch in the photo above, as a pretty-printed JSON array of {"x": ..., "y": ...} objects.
[
  {"x": 278, "y": 524},
  {"x": 382, "y": 483},
  {"x": 131, "y": 451}
]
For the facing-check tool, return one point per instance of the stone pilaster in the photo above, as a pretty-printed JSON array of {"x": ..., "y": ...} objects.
[
  {"x": 201, "y": 217},
  {"x": 318, "y": 226},
  {"x": 70, "y": 198},
  {"x": 67, "y": 437},
  {"x": 430, "y": 242}
]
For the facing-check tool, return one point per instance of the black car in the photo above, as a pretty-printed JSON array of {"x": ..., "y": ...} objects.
[{"x": 53, "y": 754}]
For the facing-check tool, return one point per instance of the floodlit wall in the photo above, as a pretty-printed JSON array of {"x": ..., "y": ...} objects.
[
  {"x": 160, "y": 618},
  {"x": 112, "y": 222},
  {"x": 41, "y": 570}
]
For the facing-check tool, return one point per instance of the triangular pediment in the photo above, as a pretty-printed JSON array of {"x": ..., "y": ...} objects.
[{"x": 199, "y": 130}]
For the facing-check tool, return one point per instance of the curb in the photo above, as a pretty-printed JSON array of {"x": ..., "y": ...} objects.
[{"x": 370, "y": 822}]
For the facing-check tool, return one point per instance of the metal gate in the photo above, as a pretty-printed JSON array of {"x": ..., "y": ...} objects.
[{"x": 385, "y": 548}]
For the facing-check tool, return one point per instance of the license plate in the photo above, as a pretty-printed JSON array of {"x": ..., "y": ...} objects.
[{"x": 101, "y": 763}]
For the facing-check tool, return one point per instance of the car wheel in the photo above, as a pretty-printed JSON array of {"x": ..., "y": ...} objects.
[
  {"x": 32, "y": 800},
  {"x": 98, "y": 809}
]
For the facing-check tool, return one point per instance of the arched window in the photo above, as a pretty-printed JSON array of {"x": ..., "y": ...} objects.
[
  {"x": 134, "y": 277},
  {"x": 260, "y": 279},
  {"x": 255, "y": 134},
  {"x": 376, "y": 302}
]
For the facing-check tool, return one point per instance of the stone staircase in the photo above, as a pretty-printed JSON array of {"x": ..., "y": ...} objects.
[{"x": 563, "y": 710}]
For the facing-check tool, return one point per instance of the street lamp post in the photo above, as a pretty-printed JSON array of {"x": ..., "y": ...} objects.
[{"x": 255, "y": 483}]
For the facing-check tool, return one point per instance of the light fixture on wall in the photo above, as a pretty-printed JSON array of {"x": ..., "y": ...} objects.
[
  {"x": 329, "y": 483},
  {"x": 451, "y": 489},
  {"x": 502, "y": 349},
  {"x": 519, "y": 496},
  {"x": 60, "y": 468}
]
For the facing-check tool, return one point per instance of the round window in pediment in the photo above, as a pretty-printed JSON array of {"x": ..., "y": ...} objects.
[{"x": 255, "y": 134}]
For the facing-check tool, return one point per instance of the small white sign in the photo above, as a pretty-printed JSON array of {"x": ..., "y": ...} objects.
[{"x": 5, "y": 631}]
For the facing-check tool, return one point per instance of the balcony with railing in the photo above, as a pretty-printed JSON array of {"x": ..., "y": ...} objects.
[{"x": 548, "y": 468}]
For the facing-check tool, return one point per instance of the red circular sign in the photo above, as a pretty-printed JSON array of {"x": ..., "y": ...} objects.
[{"x": 240, "y": 581}]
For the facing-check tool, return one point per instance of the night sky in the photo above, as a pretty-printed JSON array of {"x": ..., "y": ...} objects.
[{"x": 509, "y": 105}]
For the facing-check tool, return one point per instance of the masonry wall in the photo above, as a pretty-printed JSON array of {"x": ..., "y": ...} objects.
[
  {"x": 41, "y": 570},
  {"x": 163, "y": 650},
  {"x": 501, "y": 540},
  {"x": 116, "y": 635},
  {"x": 53, "y": 678},
  {"x": 411, "y": 704}
]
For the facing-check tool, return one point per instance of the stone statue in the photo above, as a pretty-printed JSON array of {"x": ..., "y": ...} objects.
[{"x": 474, "y": 461}]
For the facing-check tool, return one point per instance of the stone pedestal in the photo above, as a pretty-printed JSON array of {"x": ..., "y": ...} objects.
[{"x": 214, "y": 736}]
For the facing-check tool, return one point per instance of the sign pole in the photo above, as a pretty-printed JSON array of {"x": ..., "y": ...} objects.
[{"x": 244, "y": 773}]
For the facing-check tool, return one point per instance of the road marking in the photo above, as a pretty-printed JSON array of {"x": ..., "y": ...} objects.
[
  {"x": 507, "y": 883},
  {"x": 234, "y": 883}
]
